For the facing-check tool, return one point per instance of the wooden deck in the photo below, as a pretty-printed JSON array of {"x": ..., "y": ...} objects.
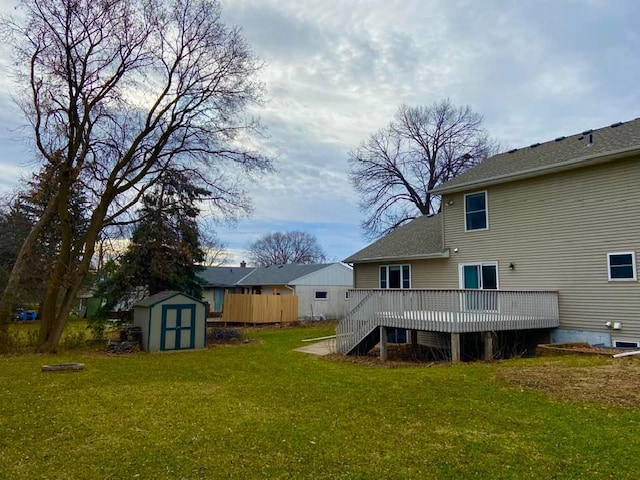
[{"x": 450, "y": 311}]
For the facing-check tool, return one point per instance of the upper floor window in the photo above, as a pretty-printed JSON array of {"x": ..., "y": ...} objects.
[
  {"x": 395, "y": 276},
  {"x": 622, "y": 266},
  {"x": 475, "y": 211}
]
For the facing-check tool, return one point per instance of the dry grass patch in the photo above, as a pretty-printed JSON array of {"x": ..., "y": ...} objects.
[{"x": 616, "y": 382}]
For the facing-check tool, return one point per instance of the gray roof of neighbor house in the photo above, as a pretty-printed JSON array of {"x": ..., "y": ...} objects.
[
  {"x": 619, "y": 140},
  {"x": 223, "y": 276},
  {"x": 160, "y": 297},
  {"x": 280, "y": 274},
  {"x": 420, "y": 238}
]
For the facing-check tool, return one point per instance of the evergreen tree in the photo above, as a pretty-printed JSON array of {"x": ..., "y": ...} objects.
[{"x": 165, "y": 251}]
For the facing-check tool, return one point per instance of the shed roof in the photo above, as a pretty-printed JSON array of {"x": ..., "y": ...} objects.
[
  {"x": 418, "y": 239},
  {"x": 223, "y": 276},
  {"x": 618, "y": 140},
  {"x": 280, "y": 274},
  {"x": 161, "y": 297}
]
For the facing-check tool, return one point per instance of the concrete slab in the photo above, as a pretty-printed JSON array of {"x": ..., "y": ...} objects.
[{"x": 326, "y": 347}]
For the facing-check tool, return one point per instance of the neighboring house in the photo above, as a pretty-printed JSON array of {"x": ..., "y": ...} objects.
[
  {"x": 544, "y": 236},
  {"x": 321, "y": 289},
  {"x": 218, "y": 280}
]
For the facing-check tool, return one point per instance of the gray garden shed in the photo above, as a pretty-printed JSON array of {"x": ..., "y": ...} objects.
[{"x": 171, "y": 321}]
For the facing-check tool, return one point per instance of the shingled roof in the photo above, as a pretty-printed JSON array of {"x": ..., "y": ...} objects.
[
  {"x": 592, "y": 146},
  {"x": 280, "y": 274},
  {"x": 223, "y": 276},
  {"x": 420, "y": 238}
]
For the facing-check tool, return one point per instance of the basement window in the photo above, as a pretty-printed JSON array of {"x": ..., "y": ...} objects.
[
  {"x": 626, "y": 344},
  {"x": 322, "y": 295},
  {"x": 622, "y": 266}
]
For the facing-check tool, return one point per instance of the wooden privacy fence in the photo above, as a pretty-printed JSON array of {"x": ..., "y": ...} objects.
[{"x": 245, "y": 308}]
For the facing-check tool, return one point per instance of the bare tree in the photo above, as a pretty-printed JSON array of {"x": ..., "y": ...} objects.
[
  {"x": 422, "y": 147},
  {"x": 286, "y": 247},
  {"x": 118, "y": 92},
  {"x": 215, "y": 251}
]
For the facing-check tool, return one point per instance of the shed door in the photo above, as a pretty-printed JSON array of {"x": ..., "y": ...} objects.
[{"x": 178, "y": 327}]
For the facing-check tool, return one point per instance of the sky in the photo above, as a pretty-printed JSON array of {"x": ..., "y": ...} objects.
[{"x": 336, "y": 72}]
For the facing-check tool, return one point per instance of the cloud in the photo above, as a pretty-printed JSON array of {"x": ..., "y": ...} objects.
[{"x": 336, "y": 72}]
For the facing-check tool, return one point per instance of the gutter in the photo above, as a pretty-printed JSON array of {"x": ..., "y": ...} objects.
[
  {"x": 535, "y": 172},
  {"x": 422, "y": 256}
]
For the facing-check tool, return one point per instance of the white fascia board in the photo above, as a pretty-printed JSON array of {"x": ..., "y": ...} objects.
[{"x": 431, "y": 256}]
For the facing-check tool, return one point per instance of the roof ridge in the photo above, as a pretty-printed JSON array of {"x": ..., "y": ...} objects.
[
  {"x": 608, "y": 143},
  {"x": 567, "y": 137}
]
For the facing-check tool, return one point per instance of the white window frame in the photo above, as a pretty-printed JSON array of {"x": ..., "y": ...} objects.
[
  {"x": 486, "y": 211},
  {"x": 315, "y": 295},
  {"x": 463, "y": 298},
  {"x": 401, "y": 265},
  {"x": 481, "y": 264},
  {"x": 633, "y": 263}
]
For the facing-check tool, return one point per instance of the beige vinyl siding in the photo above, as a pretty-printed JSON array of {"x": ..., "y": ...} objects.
[
  {"x": 557, "y": 231},
  {"x": 424, "y": 274}
]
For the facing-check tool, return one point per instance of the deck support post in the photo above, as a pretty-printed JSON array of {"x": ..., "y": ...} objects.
[
  {"x": 383, "y": 344},
  {"x": 413, "y": 339},
  {"x": 455, "y": 348},
  {"x": 488, "y": 346}
]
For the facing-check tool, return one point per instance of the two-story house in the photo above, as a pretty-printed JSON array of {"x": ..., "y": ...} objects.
[{"x": 541, "y": 237}]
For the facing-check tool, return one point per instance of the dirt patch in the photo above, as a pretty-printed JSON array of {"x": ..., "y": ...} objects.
[
  {"x": 576, "y": 349},
  {"x": 398, "y": 356},
  {"x": 615, "y": 383}
]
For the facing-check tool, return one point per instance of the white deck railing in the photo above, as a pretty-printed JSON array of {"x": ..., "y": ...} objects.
[{"x": 454, "y": 311}]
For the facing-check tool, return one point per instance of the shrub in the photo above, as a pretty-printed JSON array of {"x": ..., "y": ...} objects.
[
  {"x": 97, "y": 327},
  {"x": 222, "y": 335}
]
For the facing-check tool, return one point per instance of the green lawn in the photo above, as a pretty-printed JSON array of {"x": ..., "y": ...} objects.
[{"x": 264, "y": 411}]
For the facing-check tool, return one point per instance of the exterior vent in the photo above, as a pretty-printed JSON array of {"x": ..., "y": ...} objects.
[
  {"x": 560, "y": 139},
  {"x": 587, "y": 132},
  {"x": 534, "y": 145},
  {"x": 513, "y": 150},
  {"x": 617, "y": 124}
]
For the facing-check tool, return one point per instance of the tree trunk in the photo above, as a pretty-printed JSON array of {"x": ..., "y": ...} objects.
[
  {"x": 68, "y": 278},
  {"x": 7, "y": 300},
  {"x": 55, "y": 287}
]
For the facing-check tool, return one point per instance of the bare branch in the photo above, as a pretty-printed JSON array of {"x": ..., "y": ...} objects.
[
  {"x": 395, "y": 169},
  {"x": 282, "y": 248}
]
